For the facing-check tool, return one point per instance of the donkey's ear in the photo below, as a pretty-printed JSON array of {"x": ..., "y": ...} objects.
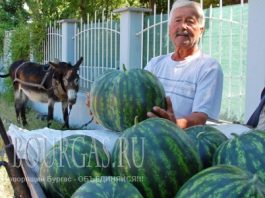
[
  {"x": 78, "y": 63},
  {"x": 55, "y": 63},
  {"x": 56, "y": 60}
]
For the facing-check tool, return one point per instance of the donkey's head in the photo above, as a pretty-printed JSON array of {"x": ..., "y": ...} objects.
[{"x": 68, "y": 77}]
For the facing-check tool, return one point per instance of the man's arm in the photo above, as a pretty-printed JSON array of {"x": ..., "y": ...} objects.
[{"x": 196, "y": 118}]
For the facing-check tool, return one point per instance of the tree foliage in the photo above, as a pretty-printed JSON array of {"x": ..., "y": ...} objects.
[
  {"x": 11, "y": 13},
  {"x": 20, "y": 43},
  {"x": 216, "y": 3}
]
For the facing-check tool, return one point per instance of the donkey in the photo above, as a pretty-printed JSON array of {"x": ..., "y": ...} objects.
[{"x": 55, "y": 82}]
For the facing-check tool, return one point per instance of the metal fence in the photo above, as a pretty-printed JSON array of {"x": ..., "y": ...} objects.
[
  {"x": 98, "y": 41},
  {"x": 225, "y": 38},
  {"x": 52, "y": 46}
]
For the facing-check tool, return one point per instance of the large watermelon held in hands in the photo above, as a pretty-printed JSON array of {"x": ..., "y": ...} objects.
[
  {"x": 245, "y": 151},
  {"x": 117, "y": 97},
  {"x": 206, "y": 139},
  {"x": 71, "y": 162},
  {"x": 157, "y": 156},
  {"x": 223, "y": 181},
  {"x": 107, "y": 187}
]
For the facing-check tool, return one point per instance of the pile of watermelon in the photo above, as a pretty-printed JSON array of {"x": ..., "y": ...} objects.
[{"x": 152, "y": 158}]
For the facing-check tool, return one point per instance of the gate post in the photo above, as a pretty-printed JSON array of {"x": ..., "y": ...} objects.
[
  {"x": 68, "y": 32},
  {"x": 130, "y": 44},
  {"x": 255, "y": 79}
]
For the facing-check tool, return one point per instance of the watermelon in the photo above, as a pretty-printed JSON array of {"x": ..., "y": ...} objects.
[
  {"x": 206, "y": 139},
  {"x": 107, "y": 187},
  {"x": 245, "y": 151},
  {"x": 222, "y": 181},
  {"x": 70, "y": 163},
  {"x": 158, "y": 155},
  {"x": 117, "y": 97}
]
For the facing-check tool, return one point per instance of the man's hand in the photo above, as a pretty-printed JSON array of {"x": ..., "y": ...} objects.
[
  {"x": 195, "y": 118},
  {"x": 162, "y": 113},
  {"x": 88, "y": 101}
]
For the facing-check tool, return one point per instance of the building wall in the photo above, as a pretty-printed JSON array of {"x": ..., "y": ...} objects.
[{"x": 256, "y": 56}]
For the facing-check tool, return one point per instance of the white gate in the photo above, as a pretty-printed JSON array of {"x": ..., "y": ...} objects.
[
  {"x": 52, "y": 46},
  {"x": 98, "y": 41}
]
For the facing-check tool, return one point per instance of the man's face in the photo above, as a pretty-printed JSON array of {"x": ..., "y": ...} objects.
[{"x": 184, "y": 28}]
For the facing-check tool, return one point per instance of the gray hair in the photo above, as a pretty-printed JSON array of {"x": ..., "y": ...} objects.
[{"x": 187, "y": 3}]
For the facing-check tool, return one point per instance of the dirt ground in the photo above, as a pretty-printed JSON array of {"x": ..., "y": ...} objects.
[{"x": 5, "y": 185}]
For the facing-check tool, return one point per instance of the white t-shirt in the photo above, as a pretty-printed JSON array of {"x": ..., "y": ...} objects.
[{"x": 193, "y": 85}]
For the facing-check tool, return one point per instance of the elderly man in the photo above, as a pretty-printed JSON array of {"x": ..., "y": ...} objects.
[{"x": 193, "y": 81}]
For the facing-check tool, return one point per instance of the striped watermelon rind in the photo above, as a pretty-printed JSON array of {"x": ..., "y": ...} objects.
[
  {"x": 223, "y": 181},
  {"x": 107, "y": 187},
  {"x": 207, "y": 139},
  {"x": 117, "y": 97},
  {"x": 158, "y": 154},
  {"x": 70, "y": 162},
  {"x": 245, "y": 151}
]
